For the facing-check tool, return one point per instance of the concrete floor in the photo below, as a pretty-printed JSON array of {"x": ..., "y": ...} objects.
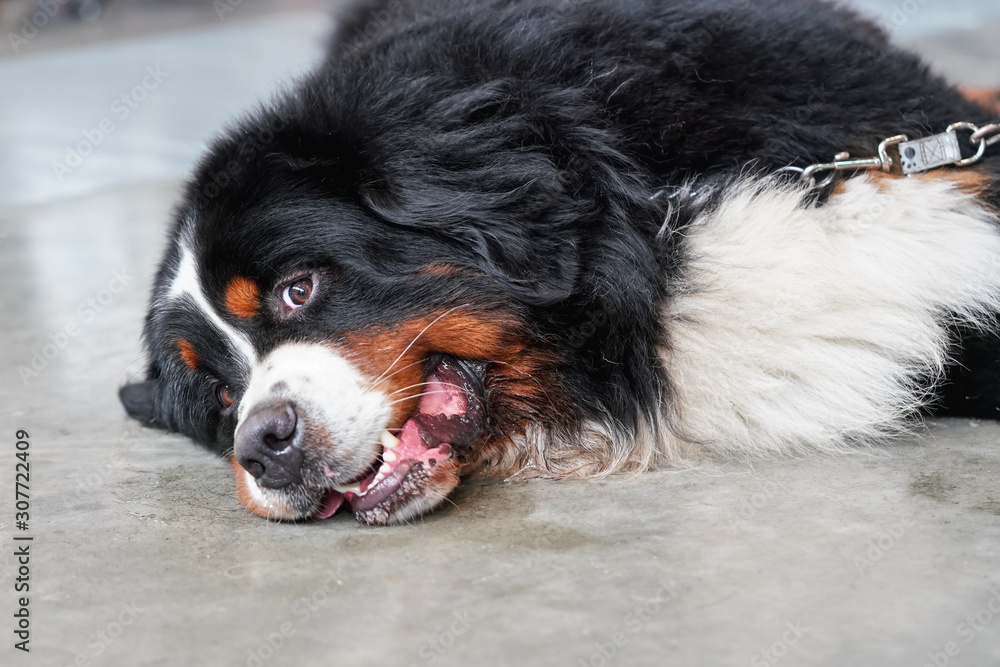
[{"x": 142, "y": 556}]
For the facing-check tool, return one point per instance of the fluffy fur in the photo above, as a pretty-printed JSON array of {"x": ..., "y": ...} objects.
[
  {"x": 800, "y": 327},
  {"x": 567, "y": 209}
]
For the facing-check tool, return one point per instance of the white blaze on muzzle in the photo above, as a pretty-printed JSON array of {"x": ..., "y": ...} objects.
[{"x": 335, "y": 405}]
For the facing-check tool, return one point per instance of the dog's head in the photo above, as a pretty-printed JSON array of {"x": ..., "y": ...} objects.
[
  {"x": 342, "y": 357},
  {"x": 361, "y": 308}
]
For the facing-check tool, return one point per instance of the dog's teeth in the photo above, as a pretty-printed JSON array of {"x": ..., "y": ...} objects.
[
  {"x": 389, "y": 440},
  {"x": 378, "y": 478},
  {"x": 384, "y": 470},
  {"x": 389, "y": 455},
  {"x": 348, "y": 488}
]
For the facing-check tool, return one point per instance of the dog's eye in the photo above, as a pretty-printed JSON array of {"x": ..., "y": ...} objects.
[
  {"x": 298, "y": 293},
  {"x": 223, "y": 395}
]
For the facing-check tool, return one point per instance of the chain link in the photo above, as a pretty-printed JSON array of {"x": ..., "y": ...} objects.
[{"x": 986, "y": 131}]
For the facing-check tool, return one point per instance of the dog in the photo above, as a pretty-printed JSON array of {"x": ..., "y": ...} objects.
[{"x": 570, "y": 239}]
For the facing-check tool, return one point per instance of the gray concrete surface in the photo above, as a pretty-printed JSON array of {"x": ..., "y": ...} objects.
[{"x": 142, "y": 556}]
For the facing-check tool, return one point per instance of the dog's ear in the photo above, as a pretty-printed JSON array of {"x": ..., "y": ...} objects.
[
  {"x": 535, "y": 255},
  {"x": 538, "y": 266},
  {"x": 139, "y": 401},
  {"x": 524, "y": 235}
]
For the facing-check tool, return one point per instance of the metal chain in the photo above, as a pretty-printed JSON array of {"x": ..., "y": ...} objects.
[
  {"x": 985, "y": 131},
  {"x": 981, "y": 137},
  {"x": 924, "y": 154}
]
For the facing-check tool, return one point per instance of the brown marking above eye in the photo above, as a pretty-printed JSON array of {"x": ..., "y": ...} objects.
[
  {"x": 188, "y": 355},
  {"x": 243, "y": 298}
]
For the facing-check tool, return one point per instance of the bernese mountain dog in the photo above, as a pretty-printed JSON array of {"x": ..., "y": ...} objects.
[{"x": 571, "y": 238}]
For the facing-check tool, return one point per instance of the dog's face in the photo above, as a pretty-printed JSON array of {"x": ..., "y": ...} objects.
[{"x": 341, "y": 357}]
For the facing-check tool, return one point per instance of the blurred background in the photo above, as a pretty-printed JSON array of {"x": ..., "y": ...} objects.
[{"x": 64, "y": 63}]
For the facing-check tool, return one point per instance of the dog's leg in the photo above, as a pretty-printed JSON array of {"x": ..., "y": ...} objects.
[{"x": 972, "y": 385}]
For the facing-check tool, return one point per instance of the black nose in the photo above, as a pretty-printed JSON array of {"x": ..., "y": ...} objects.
[{"x": 267, "y": 445}]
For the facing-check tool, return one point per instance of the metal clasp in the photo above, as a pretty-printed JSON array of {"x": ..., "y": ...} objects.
[
  {"x": 915, "y": 156},
  {"x": 844, "y": 162}
]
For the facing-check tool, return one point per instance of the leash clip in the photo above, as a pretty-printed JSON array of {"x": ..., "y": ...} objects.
[
  {"x": 844, "y": 162},
  {"x": 918, "y": 155}
]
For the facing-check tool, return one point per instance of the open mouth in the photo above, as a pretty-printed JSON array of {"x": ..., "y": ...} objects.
[{"x": 440, "y": 433}]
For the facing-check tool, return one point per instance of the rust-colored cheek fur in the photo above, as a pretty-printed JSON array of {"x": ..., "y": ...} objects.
[
  {"x": 521, "y": 385},
  {"x": 277, "y": 510},
  {"x": 243, "y": 493}
]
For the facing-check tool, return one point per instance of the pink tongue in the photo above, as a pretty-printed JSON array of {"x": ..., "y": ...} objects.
[
  {"x": 410, "y": 448},
  {"x": 331, "y": 503},
  {"x": 410, "y": 445},
  {"x": 440, "y": 398}
]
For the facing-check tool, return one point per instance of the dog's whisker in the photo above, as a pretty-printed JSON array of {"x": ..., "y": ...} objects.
[
  {"x": 417, "y": 337},
  {"x": 478, "y": 400},
  {"x": 420, "y": 395},
  {"x": 422, "y": 384},
  {"x": 412, "y": 386},
  {"x": 397, "y": 371}
]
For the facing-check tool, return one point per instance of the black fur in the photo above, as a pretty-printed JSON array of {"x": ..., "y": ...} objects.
[{"x": 526, "y": 141}]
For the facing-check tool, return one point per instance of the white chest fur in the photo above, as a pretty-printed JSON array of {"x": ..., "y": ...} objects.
[{"x": 799, "y": 327}]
